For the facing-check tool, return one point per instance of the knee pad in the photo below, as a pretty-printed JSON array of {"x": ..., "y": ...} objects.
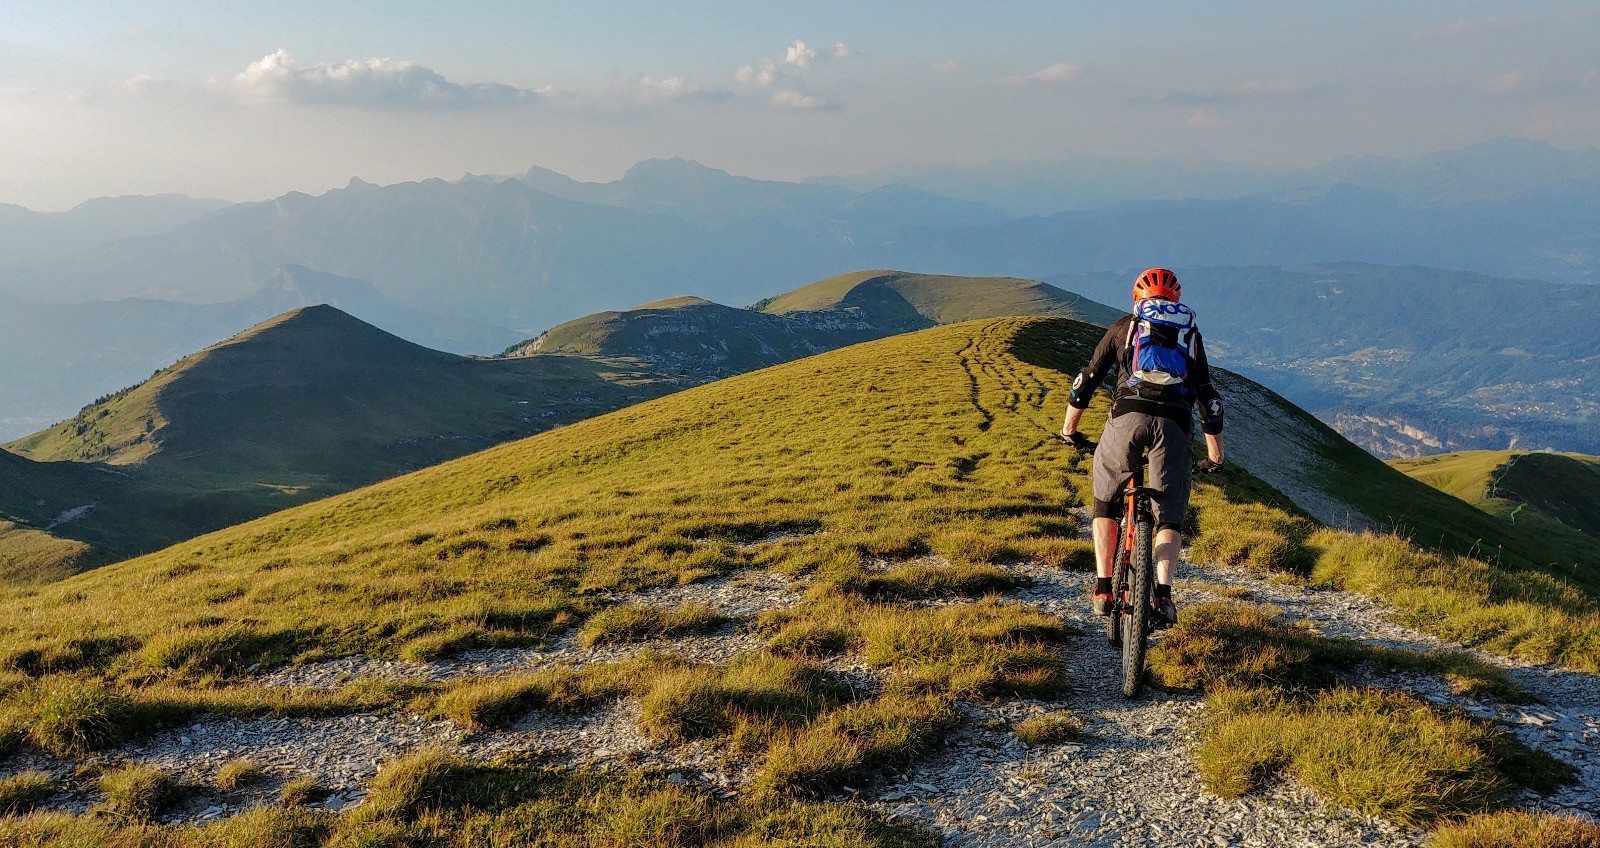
[{"x": 1109, "y": 509}]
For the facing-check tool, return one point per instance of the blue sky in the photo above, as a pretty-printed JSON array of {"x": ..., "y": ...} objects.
[{"x": 222, "y": 100}]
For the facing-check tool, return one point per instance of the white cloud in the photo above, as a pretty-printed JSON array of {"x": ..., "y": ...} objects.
[
  {"x": 1060, "y": 73},
  {"x": 762, "y": 74},
  {"x": 800, "y": 101},
  {"x": 944, "y": 67},
  {"x": 799, "y": 55},
  {"x": 675, "y": 88},
  {"x": 367, "y": 84}
]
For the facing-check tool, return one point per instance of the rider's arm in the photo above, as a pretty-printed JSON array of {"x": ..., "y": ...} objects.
[
  {"x": 1209, "y": 399},
  {"x": 1092, "y": 375}
]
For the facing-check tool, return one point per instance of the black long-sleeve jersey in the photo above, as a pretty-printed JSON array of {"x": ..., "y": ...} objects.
[{"x": 1166, "y": 401}]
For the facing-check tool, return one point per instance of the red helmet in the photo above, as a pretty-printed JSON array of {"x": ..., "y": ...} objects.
[{"x": 1157, "y": 282}]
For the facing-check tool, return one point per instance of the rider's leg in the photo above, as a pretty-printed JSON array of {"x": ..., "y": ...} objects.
[
  {"x": 1167, "y": 546},
  {"x": 1105, "y": 545}
]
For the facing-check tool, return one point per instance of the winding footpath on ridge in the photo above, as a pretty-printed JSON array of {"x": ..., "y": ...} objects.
[{"x": 1129, "y": 782}]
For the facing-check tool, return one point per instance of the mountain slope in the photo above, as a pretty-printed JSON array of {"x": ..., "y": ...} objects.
[
  {"x": 1555, "y": 496},
  {"x": 850, "y": 510},
  {"x": 58, "y": 355},
  {"x": 908, "y": 301},
  {"x": 783, "y": 448},
  {"x": 309, "y": 403},
  {"x": 693, "y": 336}
]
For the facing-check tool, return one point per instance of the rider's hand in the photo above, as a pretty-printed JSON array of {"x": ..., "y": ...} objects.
[
  {"x": 1079, "y": 441},
  {"x": 1206, "y": 466}
]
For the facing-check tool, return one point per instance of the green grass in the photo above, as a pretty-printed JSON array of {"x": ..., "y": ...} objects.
[
  {"x": 1554, "y": 496},
  {"x": 317, "y": 403},
  {"x": 1381, "y": 753},
  {"x": 300, "y": 791},
  {"x": 1279, "y": 703},
  {"x": 939, "y": 444},
  {"x": 988, "y": 648},
  {"x": 1517, "y": 829},
  {"x": 762, "y": 689},
  {"x": 1052, "y": 728},
  {"x": 21, "y": 792},
  {"x": 438, "y": 800},
  {"x": 239, "y": 773},
  {"x": 847, "y": 744},
  {"x": 137, "y": 791},
  {"x": 937, "y": 299},
  {"x": 642, "y": 622},
  {"x": 1232, "y": 644}
]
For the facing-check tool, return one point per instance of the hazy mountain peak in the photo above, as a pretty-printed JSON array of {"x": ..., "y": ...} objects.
[{"x": 671, "y": 165}]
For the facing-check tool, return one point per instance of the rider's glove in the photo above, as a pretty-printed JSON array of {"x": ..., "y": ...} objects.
[
  {"x": 1206, "y": 466},
  {"x": 1081, "y": 442}
]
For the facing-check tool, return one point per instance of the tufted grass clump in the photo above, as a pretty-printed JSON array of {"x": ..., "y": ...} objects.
[
  {"x": 850, "y": 742},
  {"x": 988, "y": 648},
  {"x": 69, "y": 716},
  {"x": 239, "y": 773},
  {"x": 497, "y": 702},
  {"x": 23, "y": 791},
  {"x": 757, "y": 688},
  {"x": 1052, "y": 728},
  {"x": 137, "y": 791},
  {"x": 919, "y": 580},
  {"x": 642, "y": 622},
  {"x": 1518, "y": 829},
  {"x": 1379, "y": 752},
  {"x": 1220, "y": 644},
  {"x": 300, "y": 791}
]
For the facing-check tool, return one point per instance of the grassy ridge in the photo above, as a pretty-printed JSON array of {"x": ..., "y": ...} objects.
[
  {"x": 940, "y": 441},
  {"x": 1554, "y": 496},
  {"x": 936, "y": 443},
  {"x": 928, "y": 299},
  {"x": 311, "y": 403}
]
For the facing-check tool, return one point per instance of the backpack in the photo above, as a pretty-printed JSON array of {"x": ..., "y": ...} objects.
[{"x": 1160, "y": 338}]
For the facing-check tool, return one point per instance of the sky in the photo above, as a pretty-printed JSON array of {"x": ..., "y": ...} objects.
[{"x": 248, "y": 101}]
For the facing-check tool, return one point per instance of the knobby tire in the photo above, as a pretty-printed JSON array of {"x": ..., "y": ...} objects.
[{"x": 1136, "y": 624}]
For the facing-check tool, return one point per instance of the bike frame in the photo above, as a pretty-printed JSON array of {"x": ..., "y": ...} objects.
[{"x": 1133, "y": 579}]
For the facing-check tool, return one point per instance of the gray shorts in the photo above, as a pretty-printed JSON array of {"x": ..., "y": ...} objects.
[{"x": 1168, "y": 452}]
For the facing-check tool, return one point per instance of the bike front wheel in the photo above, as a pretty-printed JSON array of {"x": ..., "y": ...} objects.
[
  {"x": 1136, "y": 622},
  {"x": 1119, "y": 581}
]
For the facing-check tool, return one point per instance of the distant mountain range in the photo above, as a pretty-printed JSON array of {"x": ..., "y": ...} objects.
[
  {"x": 1404, "y": 361},
  {"x": 477, "y": 264},
  {"x": 1500, "y": 169}
]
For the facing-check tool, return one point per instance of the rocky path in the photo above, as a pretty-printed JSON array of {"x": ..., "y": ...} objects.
[{"x": 1129, "y": 782}]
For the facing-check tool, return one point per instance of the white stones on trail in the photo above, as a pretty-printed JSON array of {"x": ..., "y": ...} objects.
[
  {"x": 739, "y": 597},
  {"x": 1130, "y": 781},
  {"x": 1565, "y": 723}
]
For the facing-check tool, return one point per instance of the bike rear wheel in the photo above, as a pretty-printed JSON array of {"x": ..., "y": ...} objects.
[
  {"x": 1119, "y": 585},
  {"x": 1136, "y": 622}
]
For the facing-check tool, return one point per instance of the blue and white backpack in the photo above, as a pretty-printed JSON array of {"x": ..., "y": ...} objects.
[{"x": 1160, "y": 338}]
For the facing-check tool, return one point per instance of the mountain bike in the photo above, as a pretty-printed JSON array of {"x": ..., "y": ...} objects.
[{"x": 1133, "y": 577}]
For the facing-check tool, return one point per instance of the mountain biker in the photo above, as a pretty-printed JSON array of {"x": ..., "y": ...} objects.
[{"x": 1155, "y": 415}]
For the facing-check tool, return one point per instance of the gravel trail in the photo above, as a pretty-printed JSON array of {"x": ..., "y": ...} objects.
[{"x": 1130, "y": 781}]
